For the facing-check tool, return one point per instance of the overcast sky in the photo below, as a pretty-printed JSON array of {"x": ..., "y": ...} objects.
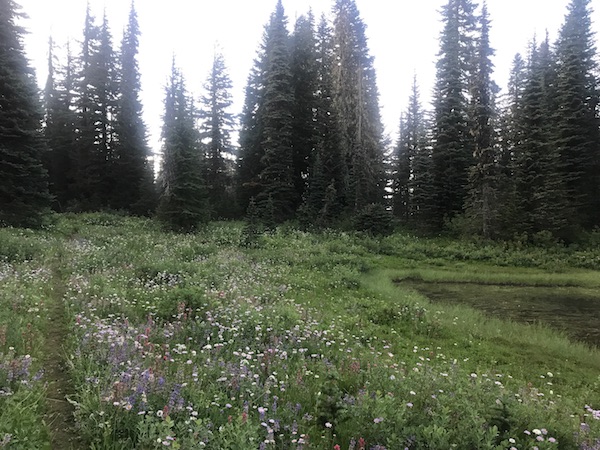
[{"x": 403, "y": 38}]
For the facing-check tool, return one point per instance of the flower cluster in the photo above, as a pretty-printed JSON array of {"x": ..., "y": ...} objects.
[{"x": 186, "y": 343}]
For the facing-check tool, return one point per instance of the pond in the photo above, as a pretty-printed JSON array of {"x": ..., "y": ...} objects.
[{"x": 576, "y": 311}]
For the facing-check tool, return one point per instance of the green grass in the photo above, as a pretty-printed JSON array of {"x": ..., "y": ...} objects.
[
  {"x": 24, "y": 289},
  {"x": 304, "y": 340},
  {"x": 507, "y": 276},
  {"x": 516, "y": 342}
]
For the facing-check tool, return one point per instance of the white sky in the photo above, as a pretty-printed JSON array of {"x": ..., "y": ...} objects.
[{"x": 403, "y": 38}]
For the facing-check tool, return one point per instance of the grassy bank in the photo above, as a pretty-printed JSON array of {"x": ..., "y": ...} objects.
[{"x": 303, "y": 341}]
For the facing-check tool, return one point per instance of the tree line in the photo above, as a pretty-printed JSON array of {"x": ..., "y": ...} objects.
[
  {"x": 523, "y": 163},
  {"x": 311, "y": 143}
]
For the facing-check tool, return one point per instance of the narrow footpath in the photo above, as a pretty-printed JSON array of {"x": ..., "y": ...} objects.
[{"x": 59, "y": 412}]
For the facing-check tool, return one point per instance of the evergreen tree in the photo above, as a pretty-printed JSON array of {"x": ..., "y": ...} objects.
[
  {"x": 253, "y": 227},
  {"x": 59, "y": 130},
  {"x": 409, "y": 184},
  {"x": 266, "y": 154},
  {"x": 511, "y": 115},
  {"x": 24, "y": 196},
  {"x": 251, "y": 131},
  {"x": 401, "y": 175},
  {"x": 510, "y": 140},
  {"x": 85, "y": 178},
  {"x": 357, "y": 103},
  {"x": 215, "y": 130},
  {"x": 452, "y": 143},
  {"x": 276, "y": 177},
  {"x": 96, "y": 102},
  {"x": 107, "y": 81},
  {"x": 50, "y": 105},
  {"x": 314, "y": 196},
  {"x": 327, "y": 181},
  {"x": 422, "y": 187},
  {"x": 183, "y": 203},
  {"x": 577, "y": 122},
  {"x": 133, "y": 172},
  {"x": 542, "y": 204},
  {"x": 304, "y": 70},
  {"x": 482, "y": 205}
]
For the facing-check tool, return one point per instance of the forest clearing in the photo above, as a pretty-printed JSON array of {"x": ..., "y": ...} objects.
[
  {"x": 295, "y": 340},
  {"x": 314, "y": 285}
]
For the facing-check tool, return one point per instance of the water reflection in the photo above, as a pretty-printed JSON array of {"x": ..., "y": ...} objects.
[{"x": 575, "y": 311}]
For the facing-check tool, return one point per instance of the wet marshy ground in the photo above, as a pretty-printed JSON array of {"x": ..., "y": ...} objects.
[{"x": 576, "y": 311}]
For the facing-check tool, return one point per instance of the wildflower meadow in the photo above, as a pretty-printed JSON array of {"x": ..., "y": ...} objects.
[{"x": 201, "y": 341}]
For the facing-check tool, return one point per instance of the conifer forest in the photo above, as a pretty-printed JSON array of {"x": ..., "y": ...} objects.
[
  {"x": 291, "y": 278},
  {"x": 499, "y": 163}
]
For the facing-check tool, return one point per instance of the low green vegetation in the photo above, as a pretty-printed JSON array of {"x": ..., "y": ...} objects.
[
  {"x": 287, "y": 340},
  {"x": 24, "y": 276}
]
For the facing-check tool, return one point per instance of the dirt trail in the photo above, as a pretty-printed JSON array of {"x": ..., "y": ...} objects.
[{"x": 59, "y": 412}]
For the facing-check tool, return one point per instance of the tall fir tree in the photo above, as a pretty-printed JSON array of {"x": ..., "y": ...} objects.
[
  {"x": 482, "y": 205},
  {"x": 412, "y": 180},
  {"x": 304, "y": 70},
  {"x": 542, "y": 203},
  {"x": 402, "y": 162},
  {"x": 133, "y": 171},
  {"x": 216, "y": 126},
  {"x": 50, "y": 104},
  {"x": 327, "y": 181},
  {"x": 452, "y": 143},
  {"x": 266, "y": 156},
  {"x": 96, "y": 103},
  {"x": 423, "y": 189},
  {"x": 276, "y": 177},
  {"x": 250, "y": 155},
  {"x": 59, "y": 129},
  {"x": 510, "y": 136},
  {"x": 84, "y": 179},
  {"x": 328, "y": 122},
  {"x": 183, "y": 203},
  {"x": 511, "y": 113},
  {"x": 577, "y": 121},
  {"x": 357, "y": 103},
  {"x": 24, "y": 196},
  {"x": 107, "y": 83}
]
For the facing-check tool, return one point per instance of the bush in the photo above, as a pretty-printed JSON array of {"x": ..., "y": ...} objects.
[
  {"x": 18, "y": 246},
  {"x": 374, "y": 219}
]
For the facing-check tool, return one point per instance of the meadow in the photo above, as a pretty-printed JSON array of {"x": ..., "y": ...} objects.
[{"x": 288, "y": 340}]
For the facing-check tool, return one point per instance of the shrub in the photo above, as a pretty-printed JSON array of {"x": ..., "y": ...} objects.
[
  {"x": 18, "y": 246},
  {"x": 374, "y": 219}
]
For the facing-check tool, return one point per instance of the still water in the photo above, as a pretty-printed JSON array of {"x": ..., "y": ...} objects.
[{"x": 576, "y": 311}]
